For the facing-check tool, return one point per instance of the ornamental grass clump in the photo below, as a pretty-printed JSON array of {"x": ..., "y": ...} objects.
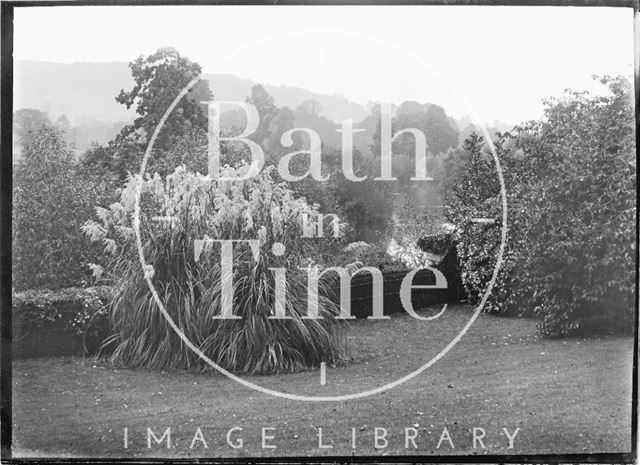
[{"x": 177, "y": 217}]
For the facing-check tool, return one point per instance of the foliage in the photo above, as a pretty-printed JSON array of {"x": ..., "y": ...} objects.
[
  {"x": 438, "y": 243},
  {"x": 428, "y": 118},
  {"x": 365, "y": 205},
  {"x": 123, "y": 156},
  {"x": 159, "y": 79},
  {"x": 475, "y": 193},
  {"x": 100, "y": 159},
  {"x": 282, "y": 121},
  {"x": 309, "y": 115},
  {"x": 266, "y": 109},
  {"x": 582, "y": 211},
  {"x": 570, "y": 182},
  {"x": 51, "y": 199},
  {"x": 190, "y": 286}
]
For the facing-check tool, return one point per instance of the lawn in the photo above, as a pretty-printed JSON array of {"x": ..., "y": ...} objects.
[{"x": 565, "y": 396}]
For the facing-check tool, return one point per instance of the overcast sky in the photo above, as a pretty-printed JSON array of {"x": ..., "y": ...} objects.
[{"x": 498, "y": 62}]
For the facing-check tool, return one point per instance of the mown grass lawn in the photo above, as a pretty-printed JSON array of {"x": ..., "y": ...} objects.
[{"x": 566, "y": 396}]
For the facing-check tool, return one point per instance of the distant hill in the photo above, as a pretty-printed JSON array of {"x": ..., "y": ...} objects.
[
  {"x": 335, "y": 107},
  {"x": 86, "y": 91}
]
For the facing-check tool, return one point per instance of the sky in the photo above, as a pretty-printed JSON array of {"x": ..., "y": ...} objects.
[{"x": 490, "y": 62}]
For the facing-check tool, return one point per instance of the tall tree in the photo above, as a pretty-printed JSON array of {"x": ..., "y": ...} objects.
[
  {"x": 158, "y": 80},
  {"x": 267, "y": 110}
]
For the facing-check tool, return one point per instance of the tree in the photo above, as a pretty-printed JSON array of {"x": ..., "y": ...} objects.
[
  {"x": 309, "y": 109},
  {"x": 440, "y": 136},
  {"x": 267, "y": 111},
  {"x": 431, "y": 119},
  {"x": 158, "y": 80}
]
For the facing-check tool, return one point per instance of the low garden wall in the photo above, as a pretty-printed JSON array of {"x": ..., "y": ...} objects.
[{"x": 362, "y": 288}]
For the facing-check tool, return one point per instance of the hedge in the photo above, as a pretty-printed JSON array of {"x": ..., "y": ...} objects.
[{"x": 71, "y": 321}]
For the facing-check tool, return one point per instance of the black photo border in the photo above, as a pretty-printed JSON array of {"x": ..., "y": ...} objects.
[{"x": 6, "y": 112}]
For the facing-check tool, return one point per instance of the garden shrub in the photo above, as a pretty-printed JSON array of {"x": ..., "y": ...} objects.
[
  {"x": 52, "y": 198},
  {"x": 190, "y": 289},
  {"x": 583, "y": 212},
  {"x": 570, "y": 182},
  {"x": 475, "y": 193}
]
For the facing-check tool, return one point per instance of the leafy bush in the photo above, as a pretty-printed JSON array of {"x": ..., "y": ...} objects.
[
  {"x": 475, "y": 193},
  {"x": 582, "y": 209},
  {"x": 190, "y": 286},
  {"x": 52, "y": 197},
  {"x": 570, "y": 182},
  {"x": 123, "y": 155}
]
